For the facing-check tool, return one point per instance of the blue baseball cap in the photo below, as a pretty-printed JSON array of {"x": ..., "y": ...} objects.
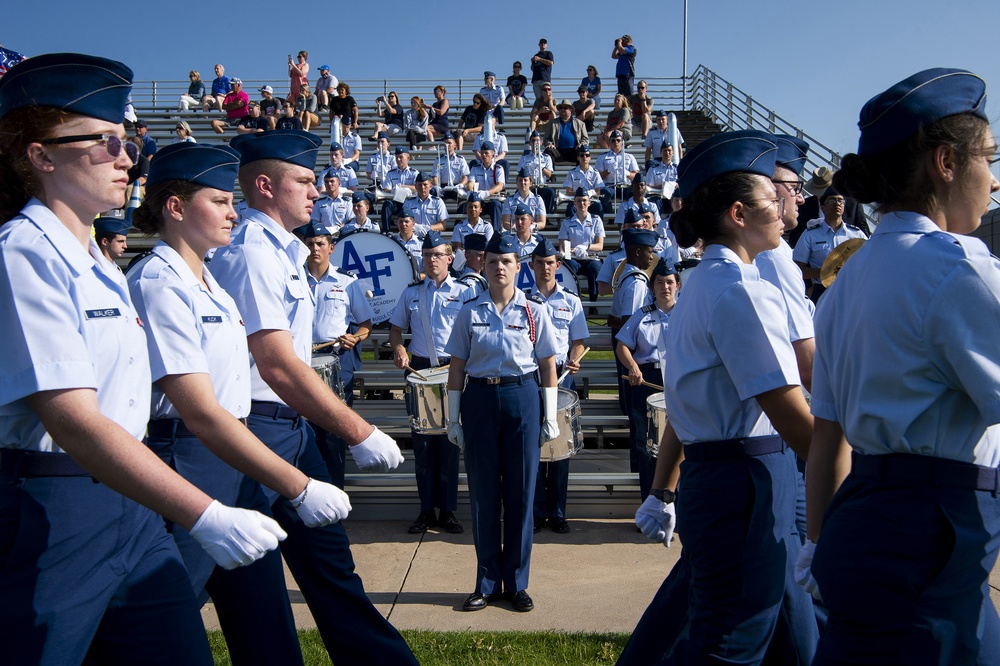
[
  {"x": 749, "y": 151},
  {"x": 792, "y": 152},
  {"x": 201, "y": 163},
  {"x": 111, "y": 225},
  {"x": 292, "y": 146}
]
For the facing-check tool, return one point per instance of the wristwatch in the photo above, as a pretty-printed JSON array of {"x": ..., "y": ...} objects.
[{"x": 664, "y": 495}]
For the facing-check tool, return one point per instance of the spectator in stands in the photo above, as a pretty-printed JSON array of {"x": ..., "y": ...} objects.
[
  {"x": 584, "y": 108},
  {"x": 348, "y": 178},
  {"x": 352, "y": 147},
  {"x": 617, "y": 168},
  {"x": 439, "y": 122},
  {"x": 111, "y": 234},
  {"x": 416, "y": 122},
  {"x": 592, "y": 82},
  {"x": 524, "y": 195},
  {"x": 494, "y": 94},
  {"x": 182, "y": 130},
  {"x": 391, "y": 112},
  {"x": 624, "y": 52},
  {"x": 472, "y": 224},
  {"x": 543, "y": 110},
  {"x": 564, "y": 136},
  {"x": 270, "y": 108},
  {"x": 619, "y": 120},
  {"x": 326, "y": 86},
  {"x": 298, "y": 74},
  {"x": 642, "y": 106},
  {"x": 516, "y": 85},
  {"x": 253, "y": 122},
  {"x": 288, "y": 119},
  {"x": 657, "y": 136},
  {"x": 472, "y": 119},
  {"x": 306, "y": 106},
  {"x": 451, "y": 170},
  {"x": 142, "y": 132},
  {"x": 344, "y": 107},
  {"x": 195, "y": 93},
  {"x": 541, "y": 67},
  {"x": 236, "y": 106},
  {"x": 220, "y": 88}
]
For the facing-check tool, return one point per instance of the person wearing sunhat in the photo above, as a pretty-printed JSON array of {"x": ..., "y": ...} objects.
[
  {"x": 86, "y": 560},
  {"x": 565, "y": 134},
  {"x": 429, "y": 309},
  {"x": 907, "y": 533},
  {"x": 505, "y": 347},
  {"x": 738, "y": 416},
  {"x": 263, "y": 269}
]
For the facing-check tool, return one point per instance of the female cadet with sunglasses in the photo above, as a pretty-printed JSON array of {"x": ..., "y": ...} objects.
[
  {"x": 733, "y": 395},
  {"x": 906, "y": 419},
  {"x": 85, "y": 573}
]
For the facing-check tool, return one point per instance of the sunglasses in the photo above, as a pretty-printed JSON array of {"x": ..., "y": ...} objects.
[{"x": 112, "y": 143}]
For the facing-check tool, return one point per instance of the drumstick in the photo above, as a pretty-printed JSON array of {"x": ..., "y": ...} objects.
[
  {"x": 566, "y": 372},
  {"x": 419, "y": 376},
  {"x": 645, "y": 383},
  {"x": 326, "y": 344}
]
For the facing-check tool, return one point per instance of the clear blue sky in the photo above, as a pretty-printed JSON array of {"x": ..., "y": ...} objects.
[{"x": 813, "y": 63}]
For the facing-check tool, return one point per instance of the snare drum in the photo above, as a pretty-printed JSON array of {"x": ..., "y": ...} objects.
[
  {"x": 564, "y": 276},
  {"x": 327, "y": 366},
  {"x": 656, "y": 422},
  {"x": 382, "y": 263},
  {"x": 570, "y": 439},
  {"x": 427, "y": 401}
]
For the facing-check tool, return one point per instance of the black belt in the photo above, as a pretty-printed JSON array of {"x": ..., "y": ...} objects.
[
  {"x": 169, "y": 428},
  {"x": 733, "y": 449},
  {"x": 418, "y": 362},
  {"x": 34, "y": 464},
  {"x": 912, "y": 469},
  {"x": 652, "y": 365},
  {"x": 501, "y": 381},
  {"x": 274, "y": 410}
]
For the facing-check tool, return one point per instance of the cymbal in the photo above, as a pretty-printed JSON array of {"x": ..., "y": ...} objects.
[{"x": 837, "y": 258}]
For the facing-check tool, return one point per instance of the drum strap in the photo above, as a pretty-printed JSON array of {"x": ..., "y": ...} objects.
[{"x": 425, "y": 322}]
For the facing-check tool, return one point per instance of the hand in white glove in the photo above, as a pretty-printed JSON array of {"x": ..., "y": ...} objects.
[
  {"x": 656, "y": 519},
  {"x": 455, "y": 434},
  {"x": 377, "y": 453},
  {"x": 550, "y": 402},
  {"x": 803, "y": 570},
  {"x": 321, "y": 504},
  {"x": 580, "y": 251},
  {"x": 236, "y": 537}
]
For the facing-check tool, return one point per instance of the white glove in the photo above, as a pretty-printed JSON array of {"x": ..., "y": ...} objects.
[
  {"x": 580, "y": 251},
  {"x": 455, "y": 434},
  {"x": 321, "y": 504},
  {"x": 656, "y": 519},
  {"x": 550, "y": 402},
  {"x": 377, "y": 453},
  {"x": 803, "y": 570},
  {"x": 236, "y": 537}
]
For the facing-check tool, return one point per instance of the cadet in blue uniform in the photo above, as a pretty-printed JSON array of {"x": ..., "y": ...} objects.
[
  {"x": 263, "y": 269},
  {"x": 521, "y": 236},
  {"x": 584, "y": 233},
  {"x": 360, "y": 206},
  {"x": 401, "y": 177},
  {"x": 501, "y": 343},
  {"x": 348, "y": 178},
  {"x": 333, "y": 210},
  {"x": 429, "y": 310},
  {"x": 475, "y": 258},
  {"x": 524, "y": 196},
  {"x": 201, "y": 373},
  {"x": 82, "y": 567},
  {"x": 631, "y": 292},
  {"x": 111, "y": 234},
  {"x": 821, "y": 237},
  {"x": 727, "y": 406},
  {"x": 911, "y": 535},
  {"x": 473, "y": 224},
  {"x": 428, "y": 211},
  {"x": 451, "y": 170},
  {"x": 570, "y": 326}
]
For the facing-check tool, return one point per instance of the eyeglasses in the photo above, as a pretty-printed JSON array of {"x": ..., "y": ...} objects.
[
  {"x": 642, "y": 87},
  {"x": 435, "y": 255},
  {"x": 616, "y": 140},
  {"x": 793, "y": 186},
  {"x": 835, "y": 200},
  {"x": 779, "y": 203},
  {"x": 112, "y": 143}
]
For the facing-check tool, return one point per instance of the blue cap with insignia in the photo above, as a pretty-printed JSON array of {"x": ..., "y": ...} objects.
[
  {"x": 521, "y": 209},
  {"x": 488, "y": 145},
  {"x": 402, "y": 149},
  {"x": 74, "y": 82},
  {"x": 501, "y": 244},
  {"x": 475, "y": 242},
  {"x": 312, "y": 230},
  {"x": 534, "y": 135},
  {"x": 432, "y": 240},
  {"x": 638, "y": 180},
  {"x": 580, "y": 192},
  {"x": 335, "y": 146},
  {"x": 645, "y": 237},
  {"x": 423, "y": 178},
  {"x": 749, "y": 151},
  {"x": 292, "y": 146},
  {"x": 489, "y": 73},
  {"x": 631, "y": 216},
  {"x": 664, "y": 269},
  {"x": 791, "y": 152},
  {"x": 201, "y": 163},
  {"x": 523, "y": 173},
  {"x": 382, "y": 135},
  {"x": 111, "y": 225},
  {"x": 583, "y": 150},
  {"x": 545, "y": 248},
  {"x": 358, "y": 196},
  {"x": 447, "y": 136},
  {"x": 647, "y": 206}
]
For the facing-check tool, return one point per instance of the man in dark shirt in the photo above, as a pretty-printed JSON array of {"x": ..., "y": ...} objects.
[
  {"x": 541, "y": 67},
  {"x": 253, "y": 122}
]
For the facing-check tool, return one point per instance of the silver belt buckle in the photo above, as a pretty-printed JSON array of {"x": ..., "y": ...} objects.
[{"x": 492, "y": 381}]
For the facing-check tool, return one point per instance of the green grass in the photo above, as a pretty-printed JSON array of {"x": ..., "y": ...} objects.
[{"x": 477, "y": 648}]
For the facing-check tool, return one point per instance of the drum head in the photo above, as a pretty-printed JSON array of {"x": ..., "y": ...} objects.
[
  {"x": 323, "y": 360},
  {"x": 566, "y": 398},
  {"x": 656, "y": 401},
  {"x": 435, "y": 376},
  {"x": 564, "y": 276},
  {"x": 381, "y": 263}
]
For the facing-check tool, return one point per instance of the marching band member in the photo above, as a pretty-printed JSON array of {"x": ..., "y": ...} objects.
[
  {"x": 450, "y": 170},
  {"x": 821, "y": 237},
  {"x": 500, "y": 342},
  {"x": 360, "y": 205},
  {"x": 521, "y": 237},
  {"x": 475, "y": 257},
  {"x": 333, "y": 210},
  {"x": 524, "y": 196},
  {"x": 427, "y": 209},
  {"x": 473, "y": 224},
  {"x": 585, "y": 176},
  {"x": 429, "y": 309},
  {"x": 585, "y": 234},
  {"x": 487, "y": 180}
]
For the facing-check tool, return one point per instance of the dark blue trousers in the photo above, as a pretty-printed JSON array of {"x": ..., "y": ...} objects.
[
  {"x": 502, "y": 428},
  {"x": 332, "y": 448},
  {"x": 88, "y": 575},
  {"x": 638, "y": 428},
  {"x": 904, "y": 571},
  {"x": 320, "y": 559},
  {"x": 552, "y": 484},
  {"x": 435, "y": 460},
  {"x": 590, "y": 268},
  {"x": 252, "y": 603}
]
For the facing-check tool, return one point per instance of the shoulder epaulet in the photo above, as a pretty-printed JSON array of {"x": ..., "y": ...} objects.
[
  {"x": 343, "y": 272},
  {"x": 415, "y": 284},
  {"x": 648, "y": 308},
  {"x": 137, "y": 258},
  {"x": 852, "y": 226},
  {"x": 470, "y": 300},
  {"x": 535, "y": 298},
  {"x": 815, "y": 223},
  {"x": 570, "y": 292}
]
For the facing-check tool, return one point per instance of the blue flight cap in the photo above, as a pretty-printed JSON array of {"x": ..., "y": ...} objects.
[
  {"x": 545, "y": 248},
  {"x": 312, "y": 230},
  {"x": 750, "y": 151},
  {"x": 201, "y": 163},
  {"x": 664, "y": 269},
  {"x": 111, "y": 225},
  {"x": 488, "y": 145},
  {"x": 404, "y": 214},
  {"x": 293, "y": 146},
  {"x": 616, "y": 134},
  {"x": 74, "y": 82},
  {"x": 501, "y": 244},
  {"x": 583, "y": 149},
  {"x": 791, "y": 152},
  {"x": 521, "y": 209},
  {"x": 899, "y": 112},
  {"x": 534, "y": 134},
  {"x": 402, "y": 149},
  {"x": 646, "y": 207},
  {"x": 580, "y": 192},
  {"x": 523, "y": 173},
  {"x": 475, "y": 242},
  {"x": 645, "y": 237},
  {"x": 382, "y": 135},
  {"x": 827, "y": 193},
  {"x": 631, "y": 216},
  {"x": 358, "y": 196},
  {"x": 638, "y": 180},
  {"x": 447, "y": 136},
  {"x": 432, "y": 240},
  {"x": 423, "y": 178},
  {"x": 335, "y": 146},
  {"x": 489, "y": 73}
]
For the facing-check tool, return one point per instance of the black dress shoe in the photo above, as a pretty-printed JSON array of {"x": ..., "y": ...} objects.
[
  {"x": 425, "y": 519},
  {"x": 539, "y": 524},
  {"x": 560, "y": 526},
  {"x": 522, "y": 603},
  {"x": 449, "y": 523},
  {"x": 479, "y": 601}
]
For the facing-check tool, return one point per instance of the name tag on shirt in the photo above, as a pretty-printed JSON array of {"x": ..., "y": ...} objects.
[
  {"x": 103, "y": 314},
  {"x": 211, "y": 319},
  {"x": 515, "y": 327},
  {"x": 294, "y": 277},
  {"x": 482, "y": 323}
]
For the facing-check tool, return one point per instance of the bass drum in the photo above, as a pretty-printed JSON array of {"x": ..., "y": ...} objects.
[
  {"x": 564, "y": 276},
  {"x": 382, "y": 263}
]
